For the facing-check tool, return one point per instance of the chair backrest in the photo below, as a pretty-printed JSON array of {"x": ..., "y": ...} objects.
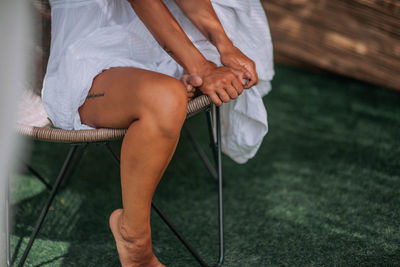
[
  {"x": 30, "y": 108},
  {"x": 41, "y": 43}
]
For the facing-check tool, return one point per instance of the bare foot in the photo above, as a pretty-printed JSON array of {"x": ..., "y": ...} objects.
[{"x": 132, "y": 252}]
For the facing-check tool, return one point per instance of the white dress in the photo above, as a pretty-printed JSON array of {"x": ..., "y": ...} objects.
[{"x": 89, "y": 36}]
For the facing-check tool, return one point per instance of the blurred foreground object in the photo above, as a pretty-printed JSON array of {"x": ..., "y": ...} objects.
[
  {"x": 15, "y": 38},
  {"x": 356, "y": 38}
]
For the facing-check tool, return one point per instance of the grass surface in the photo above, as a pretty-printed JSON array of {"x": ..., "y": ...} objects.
[{"x": 323, "y": 189}]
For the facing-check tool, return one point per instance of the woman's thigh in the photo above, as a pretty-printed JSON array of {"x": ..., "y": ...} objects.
[{"x": 121, "y": 95}]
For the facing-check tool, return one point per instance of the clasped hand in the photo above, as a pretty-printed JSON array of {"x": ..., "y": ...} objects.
[{"x": 224, "y": 83}]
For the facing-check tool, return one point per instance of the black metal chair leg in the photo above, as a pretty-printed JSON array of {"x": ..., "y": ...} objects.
[
  {"x": 168, "y": 222},
  {"x": 81, "y": 147},
  {"x": 113, "y": 154},
  {"x": 220, "y": 196},
  {"x": 45, "y": 209},
  {"x": 16, "y": 249},
  {"x": 213, "y": 142},
  {"x": 38, "y": 176},
  {"x": 202, "y": 154}
]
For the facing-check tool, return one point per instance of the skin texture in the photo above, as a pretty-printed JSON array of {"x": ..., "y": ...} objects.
[
  {"x": 203, "y": 16},
  {"x": 152, "y": 106}
]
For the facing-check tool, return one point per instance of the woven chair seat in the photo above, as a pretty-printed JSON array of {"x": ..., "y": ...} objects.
[{"x": 33, "y": 122}]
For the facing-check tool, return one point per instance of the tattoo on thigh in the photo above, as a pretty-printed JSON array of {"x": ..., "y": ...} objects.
[{"x": 95, "y": 95}]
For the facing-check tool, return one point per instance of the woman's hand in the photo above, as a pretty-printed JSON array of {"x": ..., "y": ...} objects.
[
  {"x": 221, "y": 84},
  {"x": 202, "y": 14},
  {"x": 245, "y": 67},
  {"x": 191, "y": 82}
]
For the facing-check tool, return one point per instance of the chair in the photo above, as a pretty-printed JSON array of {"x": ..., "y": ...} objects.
[{"x": 34, "y": 124}]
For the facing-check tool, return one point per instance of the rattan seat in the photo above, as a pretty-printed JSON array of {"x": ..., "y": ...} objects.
[{"x": 33, "y": 122}]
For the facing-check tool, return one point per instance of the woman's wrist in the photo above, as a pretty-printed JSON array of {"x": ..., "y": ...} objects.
[
  {"x": 202, "y": 69},
  {"x": 224, "y": 45}
]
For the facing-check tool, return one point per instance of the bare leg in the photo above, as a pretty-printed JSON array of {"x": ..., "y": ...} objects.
[{"x": 153, "y": 108}]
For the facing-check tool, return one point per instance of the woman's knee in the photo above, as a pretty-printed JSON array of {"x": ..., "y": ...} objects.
[{"x": 167, "y": 110}]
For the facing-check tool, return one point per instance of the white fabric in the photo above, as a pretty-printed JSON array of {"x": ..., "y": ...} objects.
[{"x": 89, "y": 36}]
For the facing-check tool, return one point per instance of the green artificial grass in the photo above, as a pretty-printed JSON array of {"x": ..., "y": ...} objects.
[{"x": 323, "y": 189}]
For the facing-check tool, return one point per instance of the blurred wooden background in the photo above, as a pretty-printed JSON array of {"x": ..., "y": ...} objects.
[{"x": 356, "y": 38}]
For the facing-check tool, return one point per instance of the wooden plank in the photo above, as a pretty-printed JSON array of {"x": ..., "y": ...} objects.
[{"x": 358, "y": 38}]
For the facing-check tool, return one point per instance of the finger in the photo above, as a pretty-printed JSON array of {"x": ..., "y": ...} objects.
[
  {"x": 249, "y": 79},
  {"x": 247, "y": 76},
  {"x": 195, "y": 80},
  {"x": 246, "y": 82},
  {"x": 237, "y": 85},
  {"x": 239, "y": 74},
  {"x": 252, "y": 82},
  {"x": 222, "y": 94},
  {"x": 238, "y": 82},
  {"x": 215, "y": 99},
  {"x": 254, "y": 76},
  {"x": 189, "y": 88},
  {"x": 231, "y": 91},
  {"x": 184, "y": 80}
]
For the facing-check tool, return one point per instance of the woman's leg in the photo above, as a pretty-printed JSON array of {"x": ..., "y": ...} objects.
[{"x": 153, "y": 108}]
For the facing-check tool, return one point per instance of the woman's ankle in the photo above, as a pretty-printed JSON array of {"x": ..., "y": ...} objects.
[
  {"x": 134, "y": 247},
  {"x": 140, "y": 237}
]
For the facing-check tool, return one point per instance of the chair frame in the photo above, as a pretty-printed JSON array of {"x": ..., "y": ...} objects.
[{"x": 72, "y": 159}]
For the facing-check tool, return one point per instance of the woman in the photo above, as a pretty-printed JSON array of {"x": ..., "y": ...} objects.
[{"x": 110, "y": 66}]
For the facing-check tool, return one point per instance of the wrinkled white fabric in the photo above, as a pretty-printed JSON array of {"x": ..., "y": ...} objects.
[{"x": 89, "y": 36}]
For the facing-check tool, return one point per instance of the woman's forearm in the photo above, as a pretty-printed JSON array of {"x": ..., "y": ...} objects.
[
  {"x": 219, "y": 83},
  {"x": 203, "y": 16},
  {"x": 166, "y": 30}
]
